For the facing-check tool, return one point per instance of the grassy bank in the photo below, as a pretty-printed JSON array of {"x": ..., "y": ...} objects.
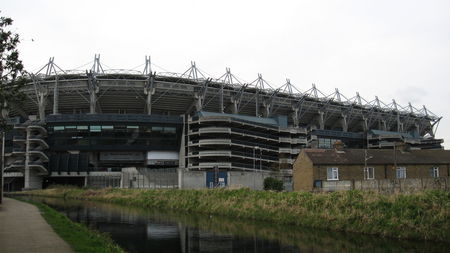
[
  {"x": 78, "y": 236},
  {"x": 423, "y": 215}
]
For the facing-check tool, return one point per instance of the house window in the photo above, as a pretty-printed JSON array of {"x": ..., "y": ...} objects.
[
  {"x": 401, "y": 172},
  {"x": 369, "y": 173},
  {"x": 332, "y": 174},
  {"x": 434, "y": 172}
]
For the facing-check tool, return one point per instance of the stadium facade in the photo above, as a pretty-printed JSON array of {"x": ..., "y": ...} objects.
[{"x": 75, "y": 123}]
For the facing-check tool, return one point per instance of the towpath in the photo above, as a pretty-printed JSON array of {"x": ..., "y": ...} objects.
[{"x": 23, "y": 229}]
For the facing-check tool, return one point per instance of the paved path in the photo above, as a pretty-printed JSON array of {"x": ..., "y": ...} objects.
[{"x": 23, "y": 229}]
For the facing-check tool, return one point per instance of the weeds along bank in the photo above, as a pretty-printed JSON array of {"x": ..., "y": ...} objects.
[{"x": 424, "y": 215}]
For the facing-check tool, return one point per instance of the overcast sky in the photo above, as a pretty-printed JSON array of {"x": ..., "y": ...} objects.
[{"x": 393, "y": 49}]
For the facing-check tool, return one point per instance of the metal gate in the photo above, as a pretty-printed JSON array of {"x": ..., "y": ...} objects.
[{"x": 216, "y": 179}]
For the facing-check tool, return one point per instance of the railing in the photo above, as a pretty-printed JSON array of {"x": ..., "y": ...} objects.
[
  {"x": 256, "y": 155},
  {"x": 251, "y": 166},
  {"x": 215, "y": 153},
  {"x": 19, "y": 138},
  {"x": 214, "y": 141},
  {"x": 255, "y": 144}
]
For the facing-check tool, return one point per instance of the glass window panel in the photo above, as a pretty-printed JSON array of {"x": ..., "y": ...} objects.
[
  {"x": 170, "y": 130},
  {"x": 82, "y": 127},
  {"x": 95, "y": 128},
  {"x": 332, "y": 174},
  {"x": 401, "y": 172},
  {"x": 434, "y": 172},
  {"x": 369, "y": 173},
  {"x": 59, "y": 128}
]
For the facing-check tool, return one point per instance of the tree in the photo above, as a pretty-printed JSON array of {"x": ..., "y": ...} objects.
[
  {"x": 11, "y": 79},
  {"x": 11, "y": 70}
]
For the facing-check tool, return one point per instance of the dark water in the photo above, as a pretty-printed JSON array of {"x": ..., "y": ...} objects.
[{"x": 140, "y": 230}]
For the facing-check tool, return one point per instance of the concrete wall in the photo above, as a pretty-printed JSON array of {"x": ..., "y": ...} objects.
[
  {"x": 191, "y": 179},
  {"x": 403, "y": 185},
  {"x": 32, "y": 180},
  {"x": 388, "y": 186},
  {"x": 252, "y": 180},
  {"x": 236, "y": 179}
]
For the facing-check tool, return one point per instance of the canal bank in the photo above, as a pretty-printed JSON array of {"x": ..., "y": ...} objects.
[
  {"x": 77, "y": 236},
  {"x": 22, "y": 229},
  {"x": 424, "y": 215},
  {"x": 142, "y": 230}
]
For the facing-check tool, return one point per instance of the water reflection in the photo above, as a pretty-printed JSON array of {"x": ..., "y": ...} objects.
[{"x": 140, "y": 230}]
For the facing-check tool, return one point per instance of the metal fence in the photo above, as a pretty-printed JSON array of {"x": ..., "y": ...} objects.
[
  {"x": 146, "y": 178},
  {"x": 103, "y": 181}
]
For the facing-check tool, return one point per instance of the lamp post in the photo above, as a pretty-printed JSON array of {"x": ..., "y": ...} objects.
[
  {"x": 260, "y": 159},
  {"x": 4, "y": 115},
  {"x": 366, "y": 158},
  {"x": 254, "y": 166},
  {"x": 2, "y": 167}
]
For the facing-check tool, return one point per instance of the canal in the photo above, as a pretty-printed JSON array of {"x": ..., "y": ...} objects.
[{"x": 140, "y": 230}]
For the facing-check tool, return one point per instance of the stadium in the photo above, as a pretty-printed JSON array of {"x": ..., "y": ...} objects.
[{"x": 88, "y": 127}]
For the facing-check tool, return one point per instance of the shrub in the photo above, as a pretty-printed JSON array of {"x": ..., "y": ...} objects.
[{"x": 271, "y": 183}]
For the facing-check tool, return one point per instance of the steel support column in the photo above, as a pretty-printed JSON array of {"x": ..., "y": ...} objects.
[
  {"x": 55, "y": 97},
  {"x": 321, "y": 120},
  {"x": 295, "y": 118},
  {"x": 344, "y": 123},
  {"x": 93, "y": 89},
  {"x": 42, "y": 101},
  {"x": 149, "y": 90}
]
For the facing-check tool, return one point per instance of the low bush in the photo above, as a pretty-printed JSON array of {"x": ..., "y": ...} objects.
[{"x": 274, "y": 184}]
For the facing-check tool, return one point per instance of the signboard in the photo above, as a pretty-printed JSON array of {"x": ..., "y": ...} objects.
[{"x": 168, "y": 158}]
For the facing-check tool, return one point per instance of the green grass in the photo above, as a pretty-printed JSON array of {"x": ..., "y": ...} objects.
[
  {"x": 424, "y": 215},
  {"x": 78, "y": 236}
]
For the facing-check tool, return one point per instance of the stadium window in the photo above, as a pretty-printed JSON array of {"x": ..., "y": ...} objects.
[
  {"x": 434, "y": 172},
  {"x": 401, "y": 172},
  {"x": 132, "y": 127},
  {"x": 157, "y": 129},
  {"x": 120, "y": 128},
  {"x": 59, "y": 128},
  {"x": 171, "y": 130},
  {"x": 95, "y": 129},
  {"x": 82, "y": 127},
  {"x": 107, "y": 127},
  {"x": 369, "y": 173},
  {"x": 333, "y": 173}
]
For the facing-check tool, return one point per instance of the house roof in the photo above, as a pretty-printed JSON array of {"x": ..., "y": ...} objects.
[{"x": 377, "y": 156}]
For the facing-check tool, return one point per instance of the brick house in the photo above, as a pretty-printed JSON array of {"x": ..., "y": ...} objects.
[{"x": 315, "y": 168}]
